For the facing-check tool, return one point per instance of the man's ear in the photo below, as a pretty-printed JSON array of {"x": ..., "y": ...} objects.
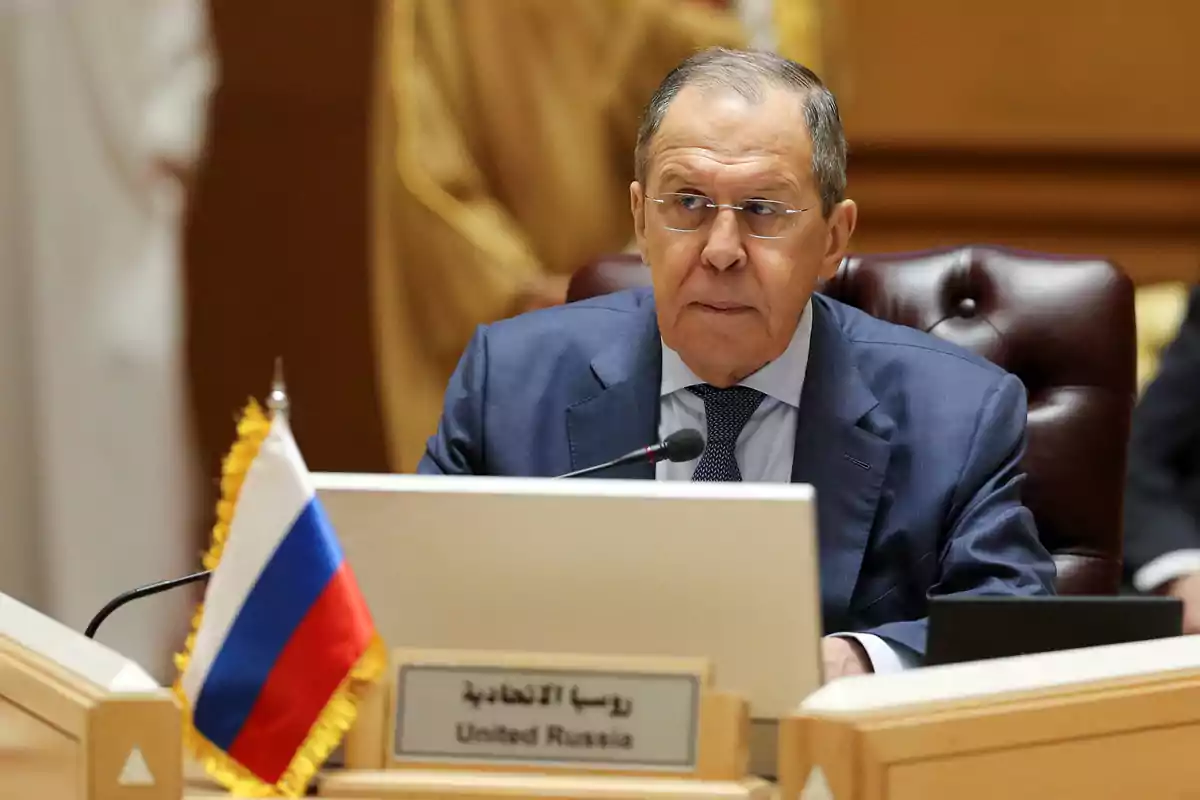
[
  {"x": 840, "y": 227},
  {"x": 637, "y": 206}
]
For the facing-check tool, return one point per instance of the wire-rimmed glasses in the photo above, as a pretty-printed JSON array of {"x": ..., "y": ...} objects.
[{"x": 764, "y": 219}]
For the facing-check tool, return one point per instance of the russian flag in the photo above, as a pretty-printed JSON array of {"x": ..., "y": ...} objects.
[{"x": 284, "y": 635}]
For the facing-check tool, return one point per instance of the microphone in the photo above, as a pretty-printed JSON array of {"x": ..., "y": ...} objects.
[
  {"x": 682, "y": 445},
  {"x": 141, "y": 591}
]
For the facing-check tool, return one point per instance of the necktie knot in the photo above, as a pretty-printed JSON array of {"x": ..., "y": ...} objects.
[{"x": 726, "y": 412}]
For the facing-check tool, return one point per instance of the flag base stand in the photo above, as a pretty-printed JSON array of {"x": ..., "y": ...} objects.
[
  {"x": 487, "y": 724},
  {"x": 483, "y": 785}
]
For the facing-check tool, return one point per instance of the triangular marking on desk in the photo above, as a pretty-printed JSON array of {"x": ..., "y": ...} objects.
[
  {"x": 135, "y": 772},
  {"x": 816, "y": 787}
]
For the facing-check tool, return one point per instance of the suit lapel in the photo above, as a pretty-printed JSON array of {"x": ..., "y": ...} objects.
[
  {"x": 619, "y": 412},
  {"x": 842, "y": 451}
]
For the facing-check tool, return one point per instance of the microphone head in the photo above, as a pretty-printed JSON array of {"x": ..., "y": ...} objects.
[{"x": 684, "y": 445}]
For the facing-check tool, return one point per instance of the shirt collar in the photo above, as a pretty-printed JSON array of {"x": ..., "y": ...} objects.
[{"x": 781, "y": 379}]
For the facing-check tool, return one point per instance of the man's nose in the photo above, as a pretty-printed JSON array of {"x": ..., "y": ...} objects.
[{"x": 724, "y": 249}]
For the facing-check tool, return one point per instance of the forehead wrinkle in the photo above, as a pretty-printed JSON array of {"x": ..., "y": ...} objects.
[
  {"x": 748, "y": 174},
  {"x": 781, "y": 145}
]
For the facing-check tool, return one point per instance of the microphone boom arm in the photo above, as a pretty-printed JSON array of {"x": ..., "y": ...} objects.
[
  {"x": 682, "y": 445},
  {"x": 141, "y": 591},
  {"x": 645, "y": 454}
]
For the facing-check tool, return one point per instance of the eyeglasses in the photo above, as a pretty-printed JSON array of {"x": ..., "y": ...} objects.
[{"x": 764, "y": 219}]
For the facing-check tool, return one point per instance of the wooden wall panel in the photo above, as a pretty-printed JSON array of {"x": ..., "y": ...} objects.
[
  {"x": 277, "y": 238},
  {"x": 1142, "y": 210},
  {"x": 1068, "y": 125},
  {"x": 1098, "y": 74}
]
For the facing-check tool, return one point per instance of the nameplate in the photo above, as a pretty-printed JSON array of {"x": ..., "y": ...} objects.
[{"x": 500, "y": 708}]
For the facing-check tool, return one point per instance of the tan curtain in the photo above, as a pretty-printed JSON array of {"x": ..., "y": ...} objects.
[
  {"x": 1159, "y": 309},
  {"x": 502, "y": 157},
  {"x": 799, "y": 32}
]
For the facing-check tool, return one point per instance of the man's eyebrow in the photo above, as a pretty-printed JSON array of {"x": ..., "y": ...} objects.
[
  {"x": 678, "y": 176},
  {"x": 768, "y": 184}
]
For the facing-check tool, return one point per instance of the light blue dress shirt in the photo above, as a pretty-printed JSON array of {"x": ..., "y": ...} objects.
[{"x": 764, "y": 448}]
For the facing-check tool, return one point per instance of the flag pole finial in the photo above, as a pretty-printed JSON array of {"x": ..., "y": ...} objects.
[{"x": 277, "y": 401}]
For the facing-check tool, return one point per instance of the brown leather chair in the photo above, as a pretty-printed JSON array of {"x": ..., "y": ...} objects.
[{"x": 1064, "y": 326}]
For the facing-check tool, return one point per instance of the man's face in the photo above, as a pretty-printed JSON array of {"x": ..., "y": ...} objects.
[{"x": 728, "y": 302}]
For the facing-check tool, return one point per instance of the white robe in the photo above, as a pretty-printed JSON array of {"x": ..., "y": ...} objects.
[{"x": 96, "y": 463}]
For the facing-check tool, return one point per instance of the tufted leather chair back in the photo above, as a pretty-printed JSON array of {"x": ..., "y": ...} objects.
[{"x": 1064, "y": 326}]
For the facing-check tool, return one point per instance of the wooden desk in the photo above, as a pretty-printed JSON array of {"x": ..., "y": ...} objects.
[
  {"x": 1106, "y": 723},
  {"x": 63, "y": 737}
]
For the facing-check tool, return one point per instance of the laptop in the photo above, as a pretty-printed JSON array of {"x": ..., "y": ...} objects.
[
  {"x": 965, "y": 628},
  {"x": 726, "y": 572}
]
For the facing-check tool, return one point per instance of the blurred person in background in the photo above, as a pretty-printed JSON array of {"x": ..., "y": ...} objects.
[
  {"x": 102, "y": 109},
  {"x": 1162, "y": 495},
  {"x": 501, "y": 165}
]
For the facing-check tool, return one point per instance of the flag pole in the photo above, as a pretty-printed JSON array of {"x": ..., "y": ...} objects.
[{"x": 277, "y": 400}]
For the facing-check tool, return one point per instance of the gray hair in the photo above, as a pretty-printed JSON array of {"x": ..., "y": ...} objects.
[{"x": 746, "y": 72}]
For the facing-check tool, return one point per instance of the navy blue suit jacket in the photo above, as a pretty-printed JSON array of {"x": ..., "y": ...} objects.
[{"x": 912, "y": 444}]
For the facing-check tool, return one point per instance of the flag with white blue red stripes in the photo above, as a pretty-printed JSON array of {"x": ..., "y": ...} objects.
[{"x": 284, "y": 643}]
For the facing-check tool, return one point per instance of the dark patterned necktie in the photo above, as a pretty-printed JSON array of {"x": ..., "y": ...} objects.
[{"x": 726, "y": 412}]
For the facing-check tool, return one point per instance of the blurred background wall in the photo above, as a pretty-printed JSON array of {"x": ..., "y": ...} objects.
[
  {"x": 377, "y": 177},
  {"x": 278, "y": 230},
  {"x": 1062, "y": 125}
]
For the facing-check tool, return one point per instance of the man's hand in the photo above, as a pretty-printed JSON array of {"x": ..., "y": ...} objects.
[
  {"x": 845, "y": 657},
  {"x": 1187, "y": 589}
]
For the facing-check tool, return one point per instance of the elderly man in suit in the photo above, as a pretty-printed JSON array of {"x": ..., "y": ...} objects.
[{"x": 913, "y": 445}]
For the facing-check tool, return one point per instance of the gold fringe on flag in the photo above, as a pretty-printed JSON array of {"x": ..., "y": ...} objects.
[{"x": 341, "y": 710}]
